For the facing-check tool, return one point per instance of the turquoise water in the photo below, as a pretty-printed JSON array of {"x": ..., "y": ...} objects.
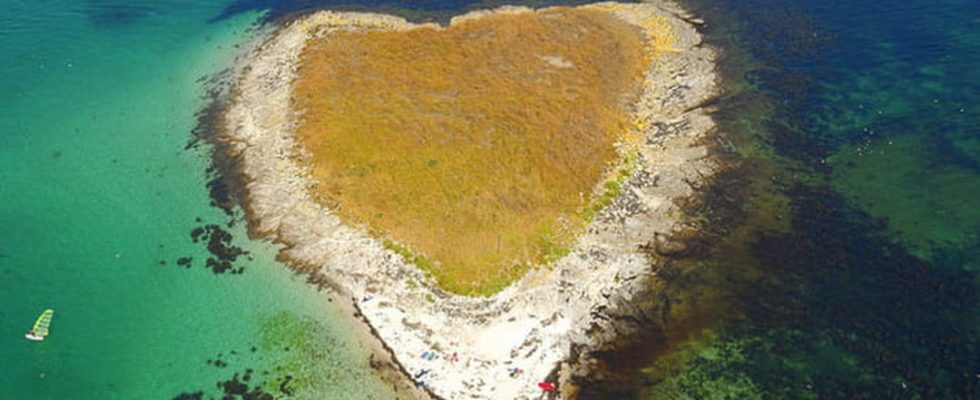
[{"x": 98, "y": 198}]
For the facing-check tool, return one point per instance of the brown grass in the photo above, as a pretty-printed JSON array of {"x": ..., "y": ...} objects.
[{"x": 475, "y": 150}]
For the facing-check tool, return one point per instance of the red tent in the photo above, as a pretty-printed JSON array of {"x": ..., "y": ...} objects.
[{"x": 546, "y": 386}]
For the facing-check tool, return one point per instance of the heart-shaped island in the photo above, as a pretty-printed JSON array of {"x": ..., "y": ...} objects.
[
  {"x": 483, "y": 191},
  {"x": 478, "y": 148}
]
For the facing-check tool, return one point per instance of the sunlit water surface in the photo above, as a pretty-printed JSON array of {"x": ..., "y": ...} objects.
[{"x": 842, "y": 261}]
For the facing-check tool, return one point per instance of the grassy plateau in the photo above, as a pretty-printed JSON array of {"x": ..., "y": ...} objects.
[{"x": 475, "y": 151}]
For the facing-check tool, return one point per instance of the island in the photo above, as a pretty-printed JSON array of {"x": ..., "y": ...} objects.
[{"x": 483, "y": 195}]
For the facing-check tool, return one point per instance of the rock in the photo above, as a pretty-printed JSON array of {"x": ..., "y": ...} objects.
[{"x": 668, "y": 247}]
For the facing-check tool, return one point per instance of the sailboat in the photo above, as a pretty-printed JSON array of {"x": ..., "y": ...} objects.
[{"x": 40, "y": 329}]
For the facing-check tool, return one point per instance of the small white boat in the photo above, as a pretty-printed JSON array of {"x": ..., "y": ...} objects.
[{"x": 41, "y": 327}]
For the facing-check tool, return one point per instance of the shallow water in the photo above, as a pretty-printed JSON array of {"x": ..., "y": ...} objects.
[{"x": 98, "y": 199}]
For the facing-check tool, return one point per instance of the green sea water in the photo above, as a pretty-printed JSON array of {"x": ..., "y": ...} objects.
[
  {"x": 98, "y": 197},
  {"x": 840, "y": 258}
]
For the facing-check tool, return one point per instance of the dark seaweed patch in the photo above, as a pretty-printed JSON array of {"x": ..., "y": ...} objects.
[
  {"x": 415, "y": 10},
  {"x": 224, "y": 188},
  {"x": 839, "y": 275},
  {"x": 830, "y": 307},
  {"x": 220, "y": 195},
  {"x": 190, "y": 396},
  {"x": 241, "y": 386},
  {"x": 196, "y": 233},
  {"x": 113, "y": 14},
  {"x": 223, "y": 253},
  {"x": 233, "y": 388},
  {"x": 944, "y": 152},
  {"x": 284, "y": 386}
]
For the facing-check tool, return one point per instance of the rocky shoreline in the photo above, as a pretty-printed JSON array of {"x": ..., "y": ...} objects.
[{"x": 462, "y": 347}]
